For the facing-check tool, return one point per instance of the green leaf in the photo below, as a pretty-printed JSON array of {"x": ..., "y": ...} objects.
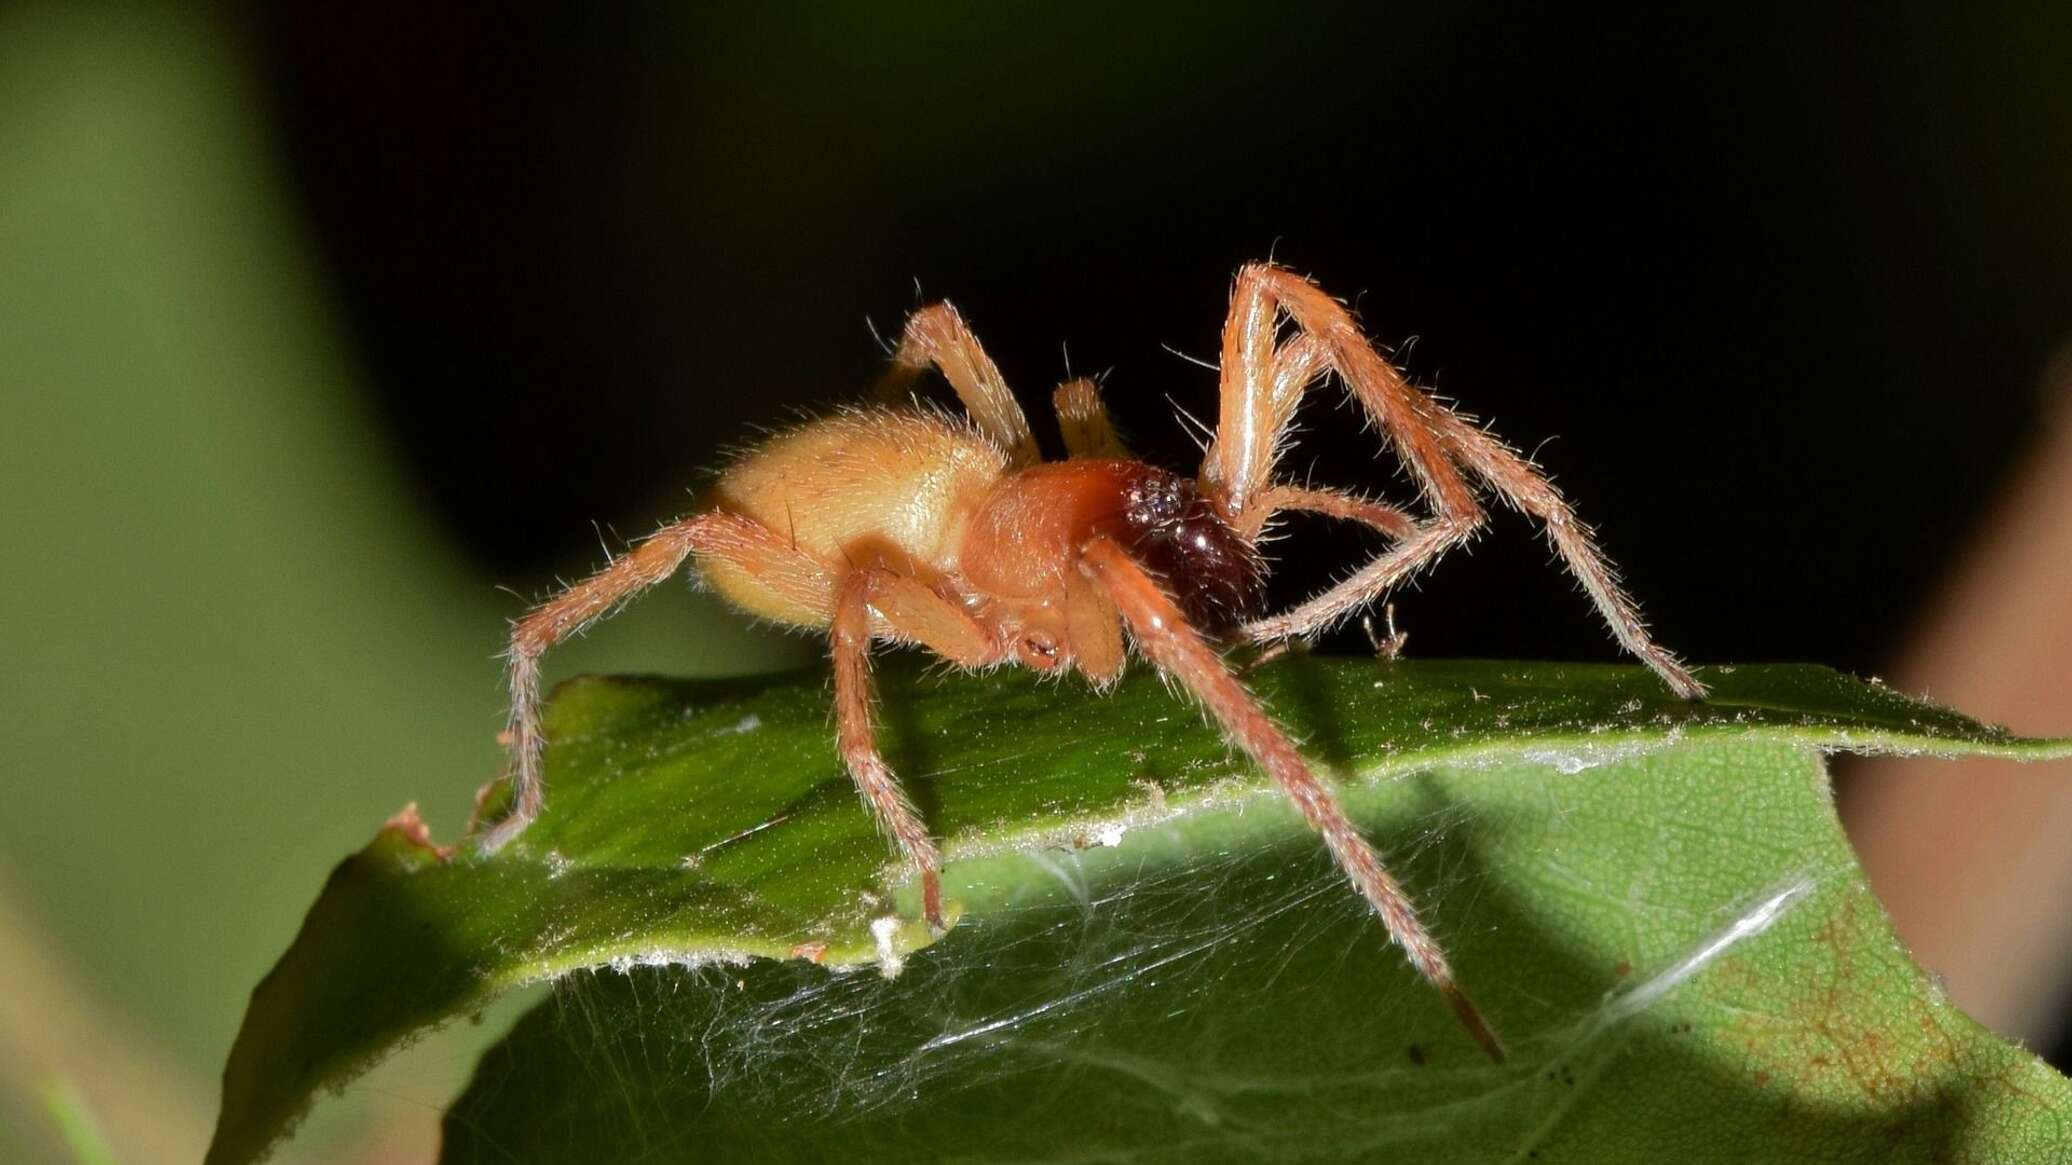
[{"x": 1154, "y": 961}]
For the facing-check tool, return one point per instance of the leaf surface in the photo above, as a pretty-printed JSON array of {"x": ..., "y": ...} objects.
[{"x": 1651, "y": 899}]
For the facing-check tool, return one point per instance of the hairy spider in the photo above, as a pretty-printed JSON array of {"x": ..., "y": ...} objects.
[{"x": 900, "y": 523}]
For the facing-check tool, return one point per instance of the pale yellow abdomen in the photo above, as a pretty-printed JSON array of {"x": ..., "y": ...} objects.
[{"x": 865, "y": 487}]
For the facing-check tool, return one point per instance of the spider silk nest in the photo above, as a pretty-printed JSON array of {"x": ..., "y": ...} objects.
[
  {"x": 1228, "y": 992},
  {"x": 1024, "y": 987}
]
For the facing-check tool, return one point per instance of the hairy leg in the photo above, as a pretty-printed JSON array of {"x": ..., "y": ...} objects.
[
  {"x": 1519, "y": 483},
  {"x": 1162, "y": 633},
  {"x": 1084, "y": 421},
  {"x": 876, "y": 603},
  {"x": 937, "y": 335},
  {"x": 1434, "y": 442},
  {"x": 568, "y": 614},
  {"x": 1296, "y": 365},
  {"x": 1329, "y": 502},
  {"x": 1260, "y": 386},
  {"x": 1262, "y": 379},
  {"x": 1419, "y": 549}
]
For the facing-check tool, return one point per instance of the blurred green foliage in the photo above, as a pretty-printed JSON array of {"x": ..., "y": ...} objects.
[{"x": 232, "y": 643}]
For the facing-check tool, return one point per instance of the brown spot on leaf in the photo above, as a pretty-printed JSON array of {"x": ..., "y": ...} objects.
[{"x": 1855, "y": 1025}]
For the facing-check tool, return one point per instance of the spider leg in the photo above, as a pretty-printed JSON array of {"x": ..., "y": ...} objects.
[
  {"x": 1084, "y": 421},
  {"x": 1261, "y": 387},
  {"x": 1427, "y": 541},
  {"x": 876, "y": 603},
  {"x": 1434, "y": 442},
  {"x": 568, "y": 614},
  {"x": 1162, "y": 633},
  {"x": 1516, "y": 480},
  {"x": 1296, "y": 365},
  {"x": 1329, "y": 502},
  {"x": 937, "y": 335}
]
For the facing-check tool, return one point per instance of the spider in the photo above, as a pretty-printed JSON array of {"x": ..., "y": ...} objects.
[{"x": 903, "y": 524}]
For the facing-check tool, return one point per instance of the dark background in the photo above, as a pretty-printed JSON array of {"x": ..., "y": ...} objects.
[{"x": 1780, "y": 288}]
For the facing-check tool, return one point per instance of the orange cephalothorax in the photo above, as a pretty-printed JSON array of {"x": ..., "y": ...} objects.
[{"x": 1024, "y": 540}]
